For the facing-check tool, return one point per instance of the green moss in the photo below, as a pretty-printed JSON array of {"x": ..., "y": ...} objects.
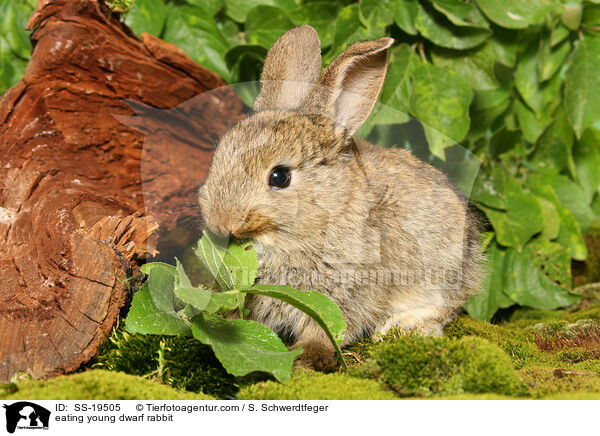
[
  {"x": 182, "y": 363},
  {"x": 544, "y": 381},
  {"x": 95, "y": 385},
  {"x": 308, "y": 385},
  {"x": 418, "y": 365}
]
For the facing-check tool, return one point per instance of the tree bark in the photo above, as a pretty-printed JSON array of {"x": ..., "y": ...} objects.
[{"x": 74, "y": 218}]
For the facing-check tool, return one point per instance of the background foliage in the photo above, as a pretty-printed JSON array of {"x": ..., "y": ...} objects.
[{"x": 515, "y": 82}]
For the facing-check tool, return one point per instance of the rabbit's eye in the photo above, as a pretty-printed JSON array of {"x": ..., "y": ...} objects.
[{"x": 280, "y": 177}]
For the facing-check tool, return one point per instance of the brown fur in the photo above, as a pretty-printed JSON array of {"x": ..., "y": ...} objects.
[{"x": 367, "y": 226}]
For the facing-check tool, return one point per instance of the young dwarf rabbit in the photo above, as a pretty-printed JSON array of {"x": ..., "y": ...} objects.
[{"x": 383, "y": 234}]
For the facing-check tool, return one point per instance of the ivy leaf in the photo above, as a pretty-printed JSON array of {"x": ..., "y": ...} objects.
[
  {"x": 553, "y": 149},
  {"x": 486, "y": 107},
  {"x": 477, "y": 64},
  {"x": 376, "y": 13},
  {"x": 532, "y": 124},
  {"x": 527, "y": 285},
  {"x": 147, "y": 318},
  {"x": 488, "y": 189},
  {"x": 523, "y": 217},
  {"x": 147, "y": 16},
  {"x": 234, "y": 266},
  {"x": 198, "y": 35},
  {"x": 320, "y": 15},
  {"x": 440, "y": 100},
  {"x": 436, "y": 28},
  {"x": 244, "y": 346},
  {"x": 569, "y": 235},
  {"x": 582, "y": 85},
  {"x": 12, "y": 27},
  {"x": 551, "y": 219},
  {"x": 239, "y": 9},
  {"x": 264, "y": 24},
  {"x": 318, "y": 306},
  {"x": 484, "y": 305},
  {"x": 405, "y": 14},
  {"x": 551, "y": 258},
  {"x": 551, "y": 58},
  {"x": 461, "y": 13},
  {"x": 586, "y": 155},
  {"x": 537, "y": 95},
  {"x": 514, "y": 14},
  {"x": 397, "y": 88},
  {"x": 571, "y": 196}
]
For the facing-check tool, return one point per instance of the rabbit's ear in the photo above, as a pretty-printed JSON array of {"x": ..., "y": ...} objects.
[
  {"x": 291, "y": 68},
  {"x": 348, "y": 88}
]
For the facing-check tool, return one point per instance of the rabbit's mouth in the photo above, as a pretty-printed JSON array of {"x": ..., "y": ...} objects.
[{"x": 252, "y": 226}]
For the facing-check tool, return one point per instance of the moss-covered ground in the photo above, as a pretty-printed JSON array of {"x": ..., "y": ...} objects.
[{"x": 525, "y": 354}]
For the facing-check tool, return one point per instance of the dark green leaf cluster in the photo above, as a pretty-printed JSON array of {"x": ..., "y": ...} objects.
[
  {"x": 514, "y": 82},
  {"x": 169, "y": 304}
]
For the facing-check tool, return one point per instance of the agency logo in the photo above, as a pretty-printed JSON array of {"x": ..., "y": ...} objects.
[{"x": 26, "y": 415}]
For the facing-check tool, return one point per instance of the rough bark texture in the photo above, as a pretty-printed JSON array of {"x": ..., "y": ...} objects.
[{"x": 72, "y": 215}]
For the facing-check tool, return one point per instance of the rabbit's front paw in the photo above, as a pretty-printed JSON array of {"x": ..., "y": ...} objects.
[{"x": 316, "y": 356}]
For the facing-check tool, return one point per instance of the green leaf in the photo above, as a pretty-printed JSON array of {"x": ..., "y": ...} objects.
[
  {"x": 571, "y": 196},
  {"x": 489, "y": 188},
  {"x": 12, "y": 27},
  {"x": 504, "y": 45},
  {"x": 405, "y": 14},
  {"x": 210, "y": 7},
  {"x": 569, "y": 234},
  {"x": 161, "y": 283},
  {"x": 486, "y": 107},
  {"x": 397, "y": 87},
  {"x": 376, "y": 13},
  {"x": 523, "y": 217},
  {"x": 551, "y": 258},
  {"x": 582, "y": 85},
  {"x": 558, "y": 34},
  {"x": 320, "y": 15},
  {"x": 571, "y": 16},
  {"x": 147, "y": 16},
  {"x": 198, "y": 297},
  {"x": 245, "y": 346},
  {"x": 436, "y": 28},
  {"x": 553, "y": 148},
  {"x": 440, "y": 100},
  {"x": 586, "y": 155},
  {"x": 461, "y": 13},
  {"x": 527, "y": 285},
  {"x": 147, "y": 318},
  {"x": 484, "y": 305},
  {"x": 199, "y": 36},
  {"x": 551, "y": 58},
  {"x": 233, "y": 264},
  {"x": 551, "y": 219},
  {"x": 476, "y": 64},
  {"x": 348, "y": 29},
  {"x": 532, "y": 124},
  {"x": 264, "y": 24},
  {"x": 503, "y": 141},
  {"x": 514, "y": 14},
  {"x": 239, "y": 9},
  {"x": 318, "y": 306},
  {"x": 537, "y": 95}
]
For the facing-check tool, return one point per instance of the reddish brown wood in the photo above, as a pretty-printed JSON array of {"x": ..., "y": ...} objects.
[{"x": 72, "y": 218}]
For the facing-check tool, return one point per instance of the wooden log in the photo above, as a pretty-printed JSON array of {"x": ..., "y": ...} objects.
[{"x": 73, "y": 222}]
